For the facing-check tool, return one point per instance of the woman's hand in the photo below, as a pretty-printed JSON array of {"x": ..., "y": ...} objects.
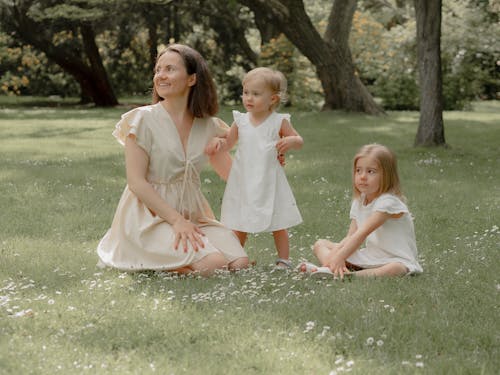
[
  {"x": 214, "y": 146},
  {"x": 186, "y": 231}
]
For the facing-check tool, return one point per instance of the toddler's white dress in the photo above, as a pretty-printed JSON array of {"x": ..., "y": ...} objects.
[
  {"x": 258, "y": 197},
  {"x": 139, "y": 239},
  {"x": 393, "y": 241}
]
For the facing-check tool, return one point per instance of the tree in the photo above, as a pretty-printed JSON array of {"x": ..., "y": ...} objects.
[
  {"x": 38, "y": 22},
  {"x": 430, "y": 129},
  {"x": 330, "y": 54}
]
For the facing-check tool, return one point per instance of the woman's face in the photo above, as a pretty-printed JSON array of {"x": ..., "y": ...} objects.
[{"x": 171, "y": 78}]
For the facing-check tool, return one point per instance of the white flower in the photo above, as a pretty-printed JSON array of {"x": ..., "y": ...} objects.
[
  {"x": 380, "y": 342},
  {"x": 370, "y": 341}
]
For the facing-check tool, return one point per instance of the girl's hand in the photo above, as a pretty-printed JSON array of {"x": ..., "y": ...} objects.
[
  {"x": 338, "y": 266},
  {"x": 214, "y": 146},
  {"x": 186, "y": 231}
]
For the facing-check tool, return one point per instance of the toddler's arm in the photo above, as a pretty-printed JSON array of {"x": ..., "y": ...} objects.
[{"x": 290, "y": 138}]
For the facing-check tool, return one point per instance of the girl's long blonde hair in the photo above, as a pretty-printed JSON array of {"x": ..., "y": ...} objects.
[{"x": 389, "y": 182}]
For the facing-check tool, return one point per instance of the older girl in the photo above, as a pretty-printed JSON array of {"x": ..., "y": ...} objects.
[{"x": 379, "y": 218}]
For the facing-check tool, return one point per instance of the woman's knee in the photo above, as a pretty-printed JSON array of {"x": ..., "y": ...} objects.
[
  {"x": 207, "y": 265},
  {"x": 238, "y": 264}
]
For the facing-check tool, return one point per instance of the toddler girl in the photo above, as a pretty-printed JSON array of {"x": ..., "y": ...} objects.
[
  {"x": 258, "y": 197},
  {"x": 379, "y": 218}
]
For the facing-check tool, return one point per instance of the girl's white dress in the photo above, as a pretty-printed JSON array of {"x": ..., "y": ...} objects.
[
  {"x": 258, "y": 197},
  {"x": 139, "y": 239},
  {"x": 393, "y": 241}
]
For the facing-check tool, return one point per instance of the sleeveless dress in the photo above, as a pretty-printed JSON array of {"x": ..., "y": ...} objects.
[
  {"x": 140, "y": 240},
  {"x": 393, "y": 241},
  {"x": 258, "y": 197}
]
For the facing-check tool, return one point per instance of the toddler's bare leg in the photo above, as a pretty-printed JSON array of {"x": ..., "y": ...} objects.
[
  {"x": 242, "y": 236},
  {"x": 282, "y": 243}
]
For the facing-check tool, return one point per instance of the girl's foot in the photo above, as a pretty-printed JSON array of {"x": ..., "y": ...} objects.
[
  {"x": 306, "y": 267},
  {"x": 323, "y": 273}
]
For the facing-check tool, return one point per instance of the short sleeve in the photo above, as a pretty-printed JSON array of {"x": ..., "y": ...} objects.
[
  {"x": 133, "y": 122},
  {"x": 238, "y": 117},
  {"x": 284, "y": 116},
  {"x": 353, "y": 214},
  {"x": 390, "y": 204}
]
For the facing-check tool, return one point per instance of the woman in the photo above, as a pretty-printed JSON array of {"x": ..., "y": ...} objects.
[{"x": 163, "y": 221}]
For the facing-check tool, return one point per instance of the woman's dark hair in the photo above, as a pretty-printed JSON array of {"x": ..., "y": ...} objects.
[{"x": 202, "y": 100}]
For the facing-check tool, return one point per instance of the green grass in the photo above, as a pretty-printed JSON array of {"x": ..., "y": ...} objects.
[{"x": 62, "y": 174}]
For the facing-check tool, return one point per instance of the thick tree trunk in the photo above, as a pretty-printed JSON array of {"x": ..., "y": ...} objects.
[
  {"x": 101, "y": 91},
  {"x": 92, "y": 78},
  {"x": 430, "y": 129},
  {"x": 332, "y": 58}
]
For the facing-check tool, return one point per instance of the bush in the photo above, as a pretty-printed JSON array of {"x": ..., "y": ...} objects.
[{"x": 28, "y": 72}]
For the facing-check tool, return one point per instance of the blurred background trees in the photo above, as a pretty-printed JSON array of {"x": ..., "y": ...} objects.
[{"x": 104, "y": 50}]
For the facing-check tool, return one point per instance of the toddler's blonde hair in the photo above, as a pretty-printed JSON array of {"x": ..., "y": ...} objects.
[
  {"x": 386, "y": 159},
  {"x": 274, "y": 79}
]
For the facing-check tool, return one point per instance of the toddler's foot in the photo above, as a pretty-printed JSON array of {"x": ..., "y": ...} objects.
[{"x": 283, "y": 264}]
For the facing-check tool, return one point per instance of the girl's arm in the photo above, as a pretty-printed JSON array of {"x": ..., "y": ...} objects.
[
  {"x": 136, "y": 164},
  {"x": 290, "y": 139},
  {"x": 353, "y": 241}
]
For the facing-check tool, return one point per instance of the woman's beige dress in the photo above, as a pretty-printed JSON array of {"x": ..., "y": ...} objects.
[{"x": 140, "y": 240}]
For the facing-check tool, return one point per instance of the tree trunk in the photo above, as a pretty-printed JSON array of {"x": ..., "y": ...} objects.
[
  {"x": 430, "y": 129},
  {"x": 92, "y": 78},
  {"x": 331, "y": 58},
  {"x": 101, "y": 91}
]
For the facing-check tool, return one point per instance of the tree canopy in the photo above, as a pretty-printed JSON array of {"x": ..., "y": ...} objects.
[{"x": 335, "y": 57}]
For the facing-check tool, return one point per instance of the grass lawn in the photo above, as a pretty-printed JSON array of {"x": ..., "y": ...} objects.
[{"x": 62, "y": 173}]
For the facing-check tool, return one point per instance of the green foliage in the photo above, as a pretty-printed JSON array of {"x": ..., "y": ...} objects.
[
  {"x": 128, "y": 65},
  {"x": 28, "y": 72},
  {"x": 385, "y": 54},
  {"x": 61, "y": 178},
  {"x": 304, "y": 89},
  {"x": 386, "y": 60},
  {"x": 382, "y": 42}
]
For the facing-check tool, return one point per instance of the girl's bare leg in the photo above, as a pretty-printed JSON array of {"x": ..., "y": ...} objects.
[
  {"x": 282, "y": 243},
  {"x": 242, "y": 236},
  {"x": 389, "y": 269},
  {"x": 323, "y": 249}
]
